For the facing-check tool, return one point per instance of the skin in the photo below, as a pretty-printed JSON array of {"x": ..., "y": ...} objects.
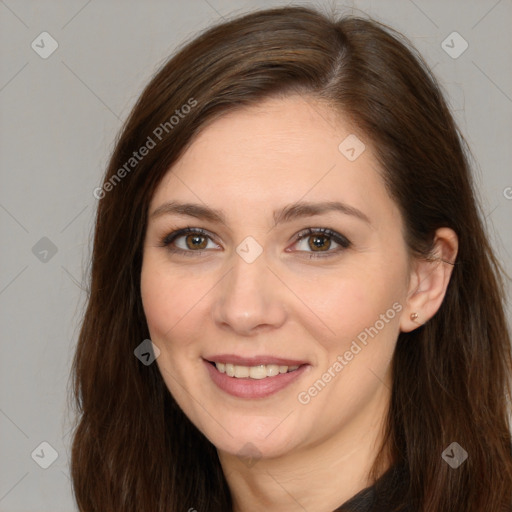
[{"x": 248, "y": 164}]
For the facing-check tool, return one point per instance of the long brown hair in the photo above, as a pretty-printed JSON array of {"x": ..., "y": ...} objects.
[{"x": 133, "y": 448}]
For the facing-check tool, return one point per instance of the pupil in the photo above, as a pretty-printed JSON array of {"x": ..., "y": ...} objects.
[
  {"x": 196, "y": 241},
  {"x": 319, "y": 242}
]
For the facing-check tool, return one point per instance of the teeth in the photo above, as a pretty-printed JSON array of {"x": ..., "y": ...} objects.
[{"x": 261, "y": 371}]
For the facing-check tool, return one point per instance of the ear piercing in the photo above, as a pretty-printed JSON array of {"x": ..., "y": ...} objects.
[{"x": 414, "y": 316}]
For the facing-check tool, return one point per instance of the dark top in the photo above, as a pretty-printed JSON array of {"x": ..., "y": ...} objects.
[{"x": 373, "y": 499}]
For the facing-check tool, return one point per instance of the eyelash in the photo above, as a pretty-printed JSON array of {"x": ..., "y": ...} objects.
[{"x": 344, "y": 243}]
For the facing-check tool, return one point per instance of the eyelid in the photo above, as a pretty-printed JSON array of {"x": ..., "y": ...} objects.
[
  {"x": 171, "y": 237},
  {"x": 338, "y": 238}
]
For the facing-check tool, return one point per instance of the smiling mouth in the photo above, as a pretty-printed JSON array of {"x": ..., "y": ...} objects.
[{"x": 258, "y": 372}]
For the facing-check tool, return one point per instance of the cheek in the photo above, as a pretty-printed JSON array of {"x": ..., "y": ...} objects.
[
  {"x": 351, "y": 303},
  {"x": 360, "y": 304},
  {"x": 166, "y": 298}
]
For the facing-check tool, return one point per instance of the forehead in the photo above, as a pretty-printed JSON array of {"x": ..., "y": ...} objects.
[
  {"x": 277, "y": 152},
  {"x": 277, "y": 134}
]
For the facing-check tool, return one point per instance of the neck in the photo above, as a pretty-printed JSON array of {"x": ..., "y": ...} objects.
[{"x": 316, "y": 478}]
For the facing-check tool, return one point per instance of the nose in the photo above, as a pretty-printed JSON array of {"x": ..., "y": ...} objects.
[{"x": 250, "y": 298}]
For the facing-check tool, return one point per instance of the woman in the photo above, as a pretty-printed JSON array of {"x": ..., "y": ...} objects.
[{"x": 289, "y": 217}]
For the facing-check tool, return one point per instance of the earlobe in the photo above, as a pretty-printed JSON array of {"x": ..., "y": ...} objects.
[{"x": 429, "y": 281}]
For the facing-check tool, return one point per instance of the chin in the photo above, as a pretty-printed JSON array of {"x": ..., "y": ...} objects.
[{"x": 255, "y": 442}]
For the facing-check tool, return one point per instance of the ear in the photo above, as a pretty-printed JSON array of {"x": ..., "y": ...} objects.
[{"x": 429, "y": 280}]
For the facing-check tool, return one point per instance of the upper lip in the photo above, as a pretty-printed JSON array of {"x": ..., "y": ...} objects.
[{"x": 254, "y": 360}]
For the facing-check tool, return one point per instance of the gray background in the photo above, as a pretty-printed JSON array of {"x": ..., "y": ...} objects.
[{"x": 59, "y": 119}]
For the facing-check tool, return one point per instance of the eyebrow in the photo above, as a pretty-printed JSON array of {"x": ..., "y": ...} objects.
[{"x": 286, "y": 214}]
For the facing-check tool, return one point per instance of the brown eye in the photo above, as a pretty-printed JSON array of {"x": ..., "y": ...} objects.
[
  {"x": 320, "y": 242},
  {"x": 188, "y": 241},
  {"x": 196, "y": 241}
]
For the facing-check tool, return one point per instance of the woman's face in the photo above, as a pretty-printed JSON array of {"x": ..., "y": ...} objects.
[{"x": 255, "y": 282}]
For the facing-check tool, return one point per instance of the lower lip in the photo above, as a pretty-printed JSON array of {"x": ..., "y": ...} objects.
[{"x": 253, "y": 388}]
